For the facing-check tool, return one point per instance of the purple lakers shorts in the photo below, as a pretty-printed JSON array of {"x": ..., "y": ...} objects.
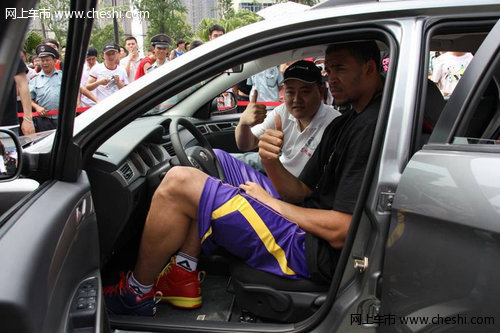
[{"x": 251, "y": 230}]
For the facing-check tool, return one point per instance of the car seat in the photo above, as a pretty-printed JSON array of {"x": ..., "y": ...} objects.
[
  {"x": 434, "y": 105},
  {"x": 274, "y": 297}
]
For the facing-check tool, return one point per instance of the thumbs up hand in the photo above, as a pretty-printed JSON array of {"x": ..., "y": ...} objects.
[
  {"x": 255, "y": 113},
  {"x": 271, "y": 142}
]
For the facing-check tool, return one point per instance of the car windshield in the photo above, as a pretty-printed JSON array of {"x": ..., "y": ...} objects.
[{"x": 174, "y": 100}]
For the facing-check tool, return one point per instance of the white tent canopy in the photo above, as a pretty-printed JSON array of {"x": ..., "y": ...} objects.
[{"x": 282, "y": 10}]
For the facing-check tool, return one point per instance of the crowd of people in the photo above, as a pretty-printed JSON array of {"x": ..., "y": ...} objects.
[
  {"x": 36, "y": 88},
  {"x": 37, "y": 81}
]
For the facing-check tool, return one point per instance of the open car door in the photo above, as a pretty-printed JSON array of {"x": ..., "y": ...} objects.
[
  {"x": 440, "y": 271},
  {"x": 49, "y": 252}
]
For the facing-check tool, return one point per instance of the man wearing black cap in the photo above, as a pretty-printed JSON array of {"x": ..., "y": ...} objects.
[
  {"x": 45, "y": 89},
  {"x": 303, "y": 115},
  {"x": 55, "y": 45},
  {"x": 161, "y": 42},
  {"x": 107, "y": 77},
  {"x": 87, "y": 98},
  {"x": 297, "y": 233},
  {"x": 177, "y": 52}
]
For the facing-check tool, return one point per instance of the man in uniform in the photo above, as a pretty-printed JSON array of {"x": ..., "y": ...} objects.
[
  {"x": 161, "y": 42},
  {"x": 45, "y": 89}
]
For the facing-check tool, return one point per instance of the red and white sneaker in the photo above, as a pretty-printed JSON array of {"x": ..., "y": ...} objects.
[{"x": 179, "y": 287}]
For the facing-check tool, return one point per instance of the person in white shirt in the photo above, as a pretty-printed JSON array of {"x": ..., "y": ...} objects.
[
  {"x": 303, "y": 116},
  {"x": 161, "y": 42},
  {"x": 448, "y": 68},
  {"x": 107, "y": 77},
  {"x": 132, "y": 60},
  {"x": 87, "y": 98}
]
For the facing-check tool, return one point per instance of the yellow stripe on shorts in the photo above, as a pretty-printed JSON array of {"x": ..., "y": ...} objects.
[{"x": 240, "y": 204}]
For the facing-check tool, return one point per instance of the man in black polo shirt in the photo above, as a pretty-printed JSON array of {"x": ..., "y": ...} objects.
[{"x": 191, "y": 210}]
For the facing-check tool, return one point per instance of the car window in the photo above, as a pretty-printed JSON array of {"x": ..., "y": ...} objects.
[
  {"x": 450, "y": 51},
  {"x": 174, "y": 100}
]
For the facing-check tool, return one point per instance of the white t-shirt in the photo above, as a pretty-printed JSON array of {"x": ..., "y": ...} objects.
[
  {"x": 448, "y": 69},
  {"x": 298, "y": 146},
  {"x": 84, "y": 100},
  {"x": 100, "y": 71},
  {"x": 155, "y": 65},
  {"x": 133, "y": 67}
]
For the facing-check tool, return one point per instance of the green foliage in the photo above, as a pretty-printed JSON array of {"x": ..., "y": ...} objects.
[
  {"x": 57, "y": 22},
  {"x": 102, "y": 36},
  {"x": 33, "y": 39},
  {"x": 225, "y": 8},
  {"x": 167, "y": 16},
  {"x": 240, "y": 18}
]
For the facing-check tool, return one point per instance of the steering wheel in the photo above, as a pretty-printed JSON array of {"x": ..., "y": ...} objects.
[{"x": 201, "y": 157}]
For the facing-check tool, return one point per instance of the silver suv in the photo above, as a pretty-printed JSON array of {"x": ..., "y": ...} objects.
[{"x": 423, "y": 248}]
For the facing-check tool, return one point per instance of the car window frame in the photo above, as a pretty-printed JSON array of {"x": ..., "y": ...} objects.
[
  {"x": 438, "y": 28},
  {"x": 465, "y": 98}
]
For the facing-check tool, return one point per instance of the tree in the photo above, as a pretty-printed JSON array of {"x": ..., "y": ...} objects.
[
  {"x": 167, "y": 16},
  {"x": 56, "y": 20},
  {"x": 33, "y": 39},
  {"x": 102, "y": 36},
  {"x": 225, "y": 8},
  {"x": 240, "y": 18}
]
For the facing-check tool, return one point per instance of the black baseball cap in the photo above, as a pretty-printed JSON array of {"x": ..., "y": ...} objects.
[
  {"x": 43, "y": 50},
  {"x": 91, "y": 52},
  {"x": 110, "y": 47},
  {"x": 160, "y": 40},
  {"x": 305, "y": 71}
]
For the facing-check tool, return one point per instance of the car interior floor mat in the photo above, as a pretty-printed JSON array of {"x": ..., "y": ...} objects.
[{"x": 217, "y": 304}]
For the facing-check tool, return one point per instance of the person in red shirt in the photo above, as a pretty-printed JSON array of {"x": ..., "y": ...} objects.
[{"x": 145, "y": 63}]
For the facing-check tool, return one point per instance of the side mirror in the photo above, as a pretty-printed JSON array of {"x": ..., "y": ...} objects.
[
  {"x": 225, "y": 103},
  {"x": 10, "y": 155}
]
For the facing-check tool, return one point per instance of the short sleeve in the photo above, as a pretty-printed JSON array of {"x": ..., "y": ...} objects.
[
  {"x": 93, "y": 72},
  {"x": 268, "y": 123},
  {"x": 32, "y": 84}
]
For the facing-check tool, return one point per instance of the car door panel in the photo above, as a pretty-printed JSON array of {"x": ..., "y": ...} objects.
[
  {"x": 219, "y": 131},
  {"x": 13, "y": 191},
  {"x": 444, "y": 236},
  {"x": 445, "y": 232},
  {"x": 46, "y": 250}
]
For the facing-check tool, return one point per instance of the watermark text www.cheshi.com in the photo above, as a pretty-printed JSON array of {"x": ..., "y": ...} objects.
[
  {"x": 391, "y": 319},
  {"x": 44, "y": 13}
]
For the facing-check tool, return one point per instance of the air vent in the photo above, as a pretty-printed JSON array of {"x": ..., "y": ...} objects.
[
  {"x": 202, "y": 129},
  {"x": 170, "y": 149},
  {"x": 126, "y": 172}
]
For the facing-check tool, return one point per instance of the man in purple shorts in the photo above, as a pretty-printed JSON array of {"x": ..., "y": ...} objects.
[{"x": 295, "y": 230}]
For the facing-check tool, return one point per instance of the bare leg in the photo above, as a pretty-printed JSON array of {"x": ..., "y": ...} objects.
[{"x": 171, "y": 222}]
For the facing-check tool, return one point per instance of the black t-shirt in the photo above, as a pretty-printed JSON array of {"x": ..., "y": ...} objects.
[
  {"x": 335, "y": 172},
  {"x": 10, "y": 114}
]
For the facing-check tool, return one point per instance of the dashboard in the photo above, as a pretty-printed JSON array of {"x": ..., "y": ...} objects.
[{"x": 125, "y": 171}]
